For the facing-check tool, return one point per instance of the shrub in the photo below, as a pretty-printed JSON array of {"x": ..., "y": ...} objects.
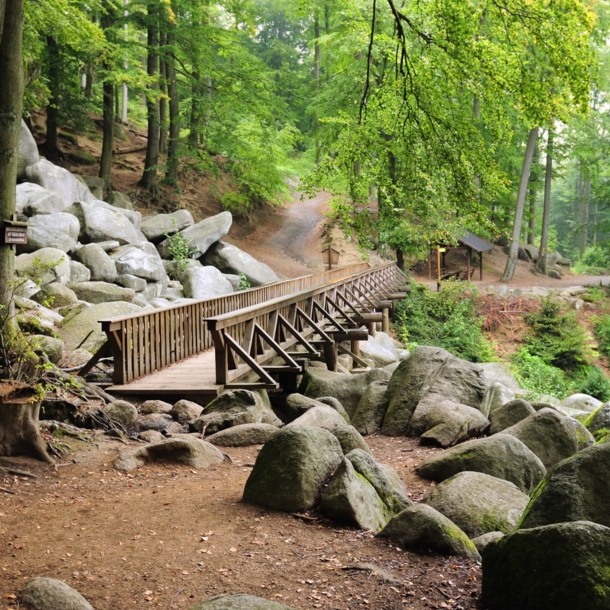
[
  {"x": 601, "y": 330},
  {"x": 592, "y": 381},
  {"x": 535, "y": 375},
  {"x": 179, "y": 248},
  {"x": 446, "y": 319},
  {"x": 557, "y": 338}
]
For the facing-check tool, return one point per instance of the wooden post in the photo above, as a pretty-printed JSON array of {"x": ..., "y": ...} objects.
[
  {"x": 481, "y": 266},
  {"x": 330, "y": 355},
  {"x": 355, "y": 347},
  {"x": 330, "y": 258},
  {"x": 468, "y": 264},
  {"x": 372, "y": 328},
  {"x": 385, "y": 325},
  {"x": 429, "y": 266},
  {"x": 438, "y": 268}
]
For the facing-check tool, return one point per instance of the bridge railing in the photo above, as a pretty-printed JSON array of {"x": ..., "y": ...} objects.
[
  {"x": 249, "y": 340},
  {"x": 146, "y": 342}
]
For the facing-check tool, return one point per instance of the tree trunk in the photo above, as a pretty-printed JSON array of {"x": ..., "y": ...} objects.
[
  {"x": 149, "y": 177},
  {"x": 531, "y": 234},
  {"x": 20, "y": 432},
  {"x": 108, "y": 129},
  {"x": 2, "y": 8},
  {"x": 195, "y": 126},
  {"x": 400, "y": 259},
  {"x": 163, "y": 105},
  {"x": 513, "y": 255},
  {"x": 11, "y": 109},
  {"x": 89, "y": 84},
  {"x": 583, "y": 212},
  {"x": 174, "y": 118},
  {"x": 541, "y": 264},
  {"x": 50, "y": 144}
]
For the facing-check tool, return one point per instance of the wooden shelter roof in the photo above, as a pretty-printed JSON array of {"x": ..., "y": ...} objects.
[{"x": 474, "y": 242}]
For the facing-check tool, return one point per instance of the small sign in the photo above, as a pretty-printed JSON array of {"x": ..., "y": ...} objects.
[
  {"x": 15, "y": 235},
  {"x": 330, "y": 256}
]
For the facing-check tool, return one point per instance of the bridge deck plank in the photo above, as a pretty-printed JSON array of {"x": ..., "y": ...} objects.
[{"x": 193, "y": 376}]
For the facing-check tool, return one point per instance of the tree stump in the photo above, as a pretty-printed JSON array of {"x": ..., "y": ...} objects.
[{"x": 19, "y": 429}]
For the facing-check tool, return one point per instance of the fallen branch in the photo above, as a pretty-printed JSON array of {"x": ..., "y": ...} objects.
[
  {"x": 20, "y": 473},
  {"x": 8, "y": 491},
  {"x": 126, "y": 151}
]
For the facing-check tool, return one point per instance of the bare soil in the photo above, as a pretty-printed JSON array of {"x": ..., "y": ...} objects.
[{"x": 167, "y": 537}]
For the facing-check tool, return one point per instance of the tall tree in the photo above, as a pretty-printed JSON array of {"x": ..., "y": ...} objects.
[
  {"x": 541, "y": 263},
  {"x": 108, "y": 109}
]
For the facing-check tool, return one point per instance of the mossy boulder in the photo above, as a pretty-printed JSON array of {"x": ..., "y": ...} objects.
[
  {"x": 578, "y": 489},
  {"x": 422, "y": 528},
  {"x": 548, "y": 434},
  {"x": 484, "y": 539},
  {"x": 350, "y": 439},
  {"x": 565, "y": 566},
  {"x": 292, "y": 467},
  {"x": 501, "y": 456},
  {"x": 243, "y": 435},
  {"x": 599, "y": 419},
  {"x": 509, "y": 414},
  {"x": 478, "y": 503},
  {"x": 370, "y": 409}
]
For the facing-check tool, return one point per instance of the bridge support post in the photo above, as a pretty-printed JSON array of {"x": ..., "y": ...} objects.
[{"x": 330, "y": 355}]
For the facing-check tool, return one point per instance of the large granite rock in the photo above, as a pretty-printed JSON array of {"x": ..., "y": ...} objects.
[
  {"x": 297, "y": 405},
  {"x": 291, "y": 468},
  {"x": 238, "y": 602},
  {"x": 56, "y": 294},
  {"x": 550, "y": 435},
  {"x": 101, "y": 267},
  {"x": 28, "y": 151},
  {"x": 44, "y": 266},
  {"x": 86, "y": 321},
  {"x": 370, "y": 410},
  {"x": 102, "y": 292},
  {"x": 380, "y": 355},
  {"x": 321, "y": 416},
  {"x": 202, "y": 235},
  {"x": 556, "y": 567},
  {"x": 243, "y": 435},
  {"x": 204, "y": 283},
  {"x": 230, "y": 259},
  {"x": 122, "y": 411},
  {"x": 478, "y": 503},
  {"x": 78, "y": 272},
  {"x": 134, "y": 261},
  {"x": 58, "y": 231},
  {"x": 349, "y": 438},
  {"x": 155, "y": 228},
  {"x": 185, "y": 450},
  {"x": 59, "y": 180},
  {"x": 447, "y": 423},
  {"x": 422, "y": 528},
  {"x": 50, "y": 594},
  {"x": 581, "y": 402},
  {"x": 431, "y": 370},
  {"x": 501, "y": 456},
  {"x": 346, "y": 388},
  {"x": 496, "y": 371},
  {"x": 33, "y": 199},
  {"x": 599, "y": 419},
  {"x": 234, "y": 408},
  {"x": 497, "y": 396},
  {"x": 99, "y": 223},
  {"x": 509, "y": 414},
  {"x": 575, "y": 490}
]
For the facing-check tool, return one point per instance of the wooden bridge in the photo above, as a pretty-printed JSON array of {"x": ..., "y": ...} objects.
[{"x": 258, "y": 338}]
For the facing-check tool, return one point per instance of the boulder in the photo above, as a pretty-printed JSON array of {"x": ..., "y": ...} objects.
[
  {"x": 331, "y": 401},
  {"x": 238, "y": 602},
  {"x": 136, "y": 284},
  {"x": 379, "y": 354},
  {"x": 102, "y": 292},
  {"x": 99, "y": 223},
  {"x": 52, "y": 231},
  {"x": 243, "y": 435},
  {"x": 204, "y": 283},
  {"x": 77, "y": 329},
  {"x": 176, "y": 428},
  {"x": 321, "y": 416},
  {"x": 483, "y": 540},
  {"x": 368, "y": 416},
  {"x": 478, "y": 503},
  {"x": 121, "y": 411},
  {"x": 50, "y": 594},
  {"x": 101, "y": 267},
  {"x": 448, "y": 423},
  {"x": 388, "y": 343},
  {"x": 599, "y": 419},
  {"x": 233, "y": 408},
  {"x": 133, "y": 261},
  {"x": 352, "y": 500},
  {"x": 185, "y": 450},
  {"x": 421, "y": 528},
  {"x": 501, "y": 456},
  {"x": 349, "y": 438},
  {"x": 33, "y": 199},
  {"x": 56, "y": 295},
  {"x": 548, "y": 434},
  {"x": 297, "y": 405},
  {"x": 581, "y": 402},
  {"x": 201, "y": 235},
  {"x": 151, "y": 436},
  {"x": 59, "y": 180},
  {"x": 575, "y": 490},
  {"x": 155, "y": 228},
  {"x": 28, "y": 150},
  {"x": 96, "y": 185},
  {"x": 78, "y": 272},
  {"x": 230, "y": 259},
  {"x": 565, "y": 566},
  {"x": 291, "y": 468},
  {"x": 50, "y": 346},
  {"x": 155, "y": 406},
  {"x": 346, "y": 388},
  {"x": 509, "y": 414},
  {"x": 431, "y": 370},
  {"x": 185, "y": 411},
  {"x": 154, "y": 421},
  {"x": 497, "y": 396},
  {"x": 44, "y": 266},
  {"x": 583, "y": 436},
  {"x": 119, "y": 200},
  {"x": 389, "y": 491},
  {"x": 496, "y": 371}
]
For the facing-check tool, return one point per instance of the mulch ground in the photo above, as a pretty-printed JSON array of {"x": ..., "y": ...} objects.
[{"x": 167, "y": 537}]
